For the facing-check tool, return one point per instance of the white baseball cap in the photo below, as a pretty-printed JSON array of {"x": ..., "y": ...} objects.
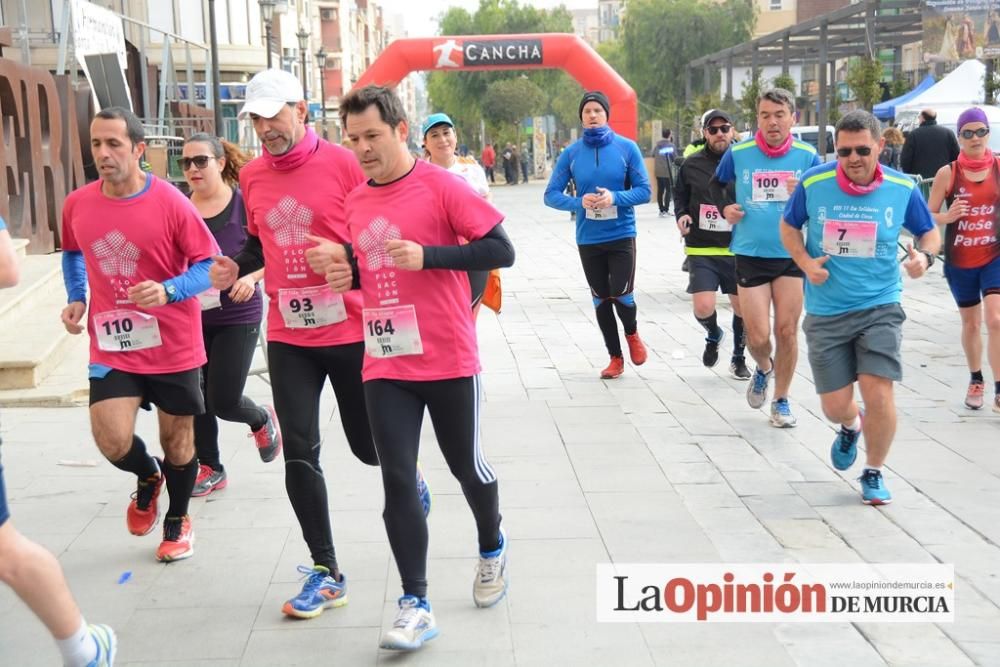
[{"x": 268, "y": 91}]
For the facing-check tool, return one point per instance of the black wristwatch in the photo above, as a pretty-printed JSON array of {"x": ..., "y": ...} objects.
[{"x": 930, "y": 258}]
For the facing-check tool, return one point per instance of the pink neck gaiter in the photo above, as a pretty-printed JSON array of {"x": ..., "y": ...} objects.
[
  {"x": 296, "y": 157},
  {"x": 852, "y": 188},
  {"x": 772, "y": 152}
]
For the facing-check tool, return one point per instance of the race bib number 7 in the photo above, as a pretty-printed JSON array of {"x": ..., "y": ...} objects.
[
  {"x": 771, "y": 185},
  {"x": 849, "y": 239}
]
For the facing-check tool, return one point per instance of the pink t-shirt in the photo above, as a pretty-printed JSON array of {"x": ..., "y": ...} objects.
[
  {"x": 284, "y": 206},
  {"x": 155, "y": 235},
  {"x": 417, "y": 324}
]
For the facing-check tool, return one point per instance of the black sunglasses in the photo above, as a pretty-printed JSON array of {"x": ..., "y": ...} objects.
[
  {"x": 981, "y": 132},
  {"x": 200, "y": 161},
  {"x": 715, "y": 129},
  {"x": 863, "y": 151}
]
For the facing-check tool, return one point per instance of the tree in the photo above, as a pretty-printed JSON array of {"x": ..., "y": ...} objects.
[
  {"x": 864, "y": 77},
  {"x": 899, "y": 86},
  {"x": 748, "y": 98},
  {"x": 784, "y": 81},
  {"x": 508, "y": 101}
]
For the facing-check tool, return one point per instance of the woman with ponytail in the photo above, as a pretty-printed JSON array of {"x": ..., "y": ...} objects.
[{"x": 230, "y": 319}]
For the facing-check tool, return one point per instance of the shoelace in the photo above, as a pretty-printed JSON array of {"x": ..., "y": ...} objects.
[
  {"x": 782, "y": 408},
  {"x": 262, "y": 437},
  {"x": 314, "y": 579},
  {"x": 172, "y": 529},
  {"x": 144, "y": 493},
  {"x": 759, "y": 381},
  {"x": 489, "y": 568},
  {"x": 847, "y": 438},
  {"x": 872, "y": 479},
  {"x": 408, "y": 610}
]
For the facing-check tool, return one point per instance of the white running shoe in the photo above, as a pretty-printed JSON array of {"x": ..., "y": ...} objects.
[
  {"x": 491, "y": 576},
  {"x": 413, "y": 626}
]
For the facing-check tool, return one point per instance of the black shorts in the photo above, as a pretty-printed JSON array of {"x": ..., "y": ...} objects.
[
  {"x": 177, "y": 394},
  {"x": 708, "y": 273},
  {"x": 754, "y": 271}
]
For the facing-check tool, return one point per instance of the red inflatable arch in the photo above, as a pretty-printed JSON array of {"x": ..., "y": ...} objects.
[{"x": 509, "y": 52}]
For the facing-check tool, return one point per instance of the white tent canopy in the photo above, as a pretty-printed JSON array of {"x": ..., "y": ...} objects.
[{"x": 964, "y": 86}]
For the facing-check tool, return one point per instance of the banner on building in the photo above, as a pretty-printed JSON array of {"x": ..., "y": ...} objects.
[
  {"x": 956, "y": 30},
  {"x": 99, "y": 46}
]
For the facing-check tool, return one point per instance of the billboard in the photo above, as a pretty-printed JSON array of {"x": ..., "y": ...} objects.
[{"x": 956, "y": 30}]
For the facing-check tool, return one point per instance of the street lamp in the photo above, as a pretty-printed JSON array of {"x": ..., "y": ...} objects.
[
  {"x": 303, "y": 45},
  {"x": 321, "y": 65},
  {"x": 267, "y": 13}
]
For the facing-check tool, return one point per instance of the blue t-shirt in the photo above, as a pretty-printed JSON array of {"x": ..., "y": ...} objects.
[
  {"x": 860, "y": 233},
  {"x": 610, "y": 167},
  {"x": 760, "y": 190}
]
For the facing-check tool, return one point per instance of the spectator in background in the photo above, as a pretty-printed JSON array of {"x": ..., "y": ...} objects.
[
  {"x": 515, "y": 165},
  {"x": 488, "y": 160},
  {"x": 929, "y": 147},
  {"x": 663, "y": 157},
  {"x": 525, "y": 162},
  {"x": 508, "y": 164},
  {"x": 889, "y": 156}
]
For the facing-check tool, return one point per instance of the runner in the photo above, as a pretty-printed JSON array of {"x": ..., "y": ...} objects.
[
  {"x": 230, "y": 321},
  {"x": 420, "y": 343},
  {"x": 706, "y": 242},
  {"x": 144, "y": 251},
  {"x": 294, "y": 196},
  {"x": 971, "y": 186},
  {"x": 33, "y": 572},
  {"x": 852, "y": 212},
  {"x": 765, "y": 170},
  {"x": 610, "y": 171}
]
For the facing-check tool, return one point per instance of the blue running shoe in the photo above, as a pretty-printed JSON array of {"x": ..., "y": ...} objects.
[
  {"x": 844, "y": 451},
  {"x": 424, "y": 492},
  {"x": 413, "y": 626},
  {"x": 781, "y": 414},
  {"x": 319, "y": 592},
  {"x": 757, "y": 389},
  {"x": 107, "y": 645},
  {"x": 490, "y": 585},
  {"x": 873, "y": 491}
]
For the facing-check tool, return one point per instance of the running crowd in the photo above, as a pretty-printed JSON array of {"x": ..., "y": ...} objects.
[{"x": 374, "y": 264}]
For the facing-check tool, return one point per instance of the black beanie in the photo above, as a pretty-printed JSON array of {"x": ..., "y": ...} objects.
[{"x": 595, "y": 96}]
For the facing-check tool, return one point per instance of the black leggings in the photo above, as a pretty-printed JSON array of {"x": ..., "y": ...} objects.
[
  {"x": 664, "y": 187},
  {"x": 396, "y": 411},
  {"x": 230, "y": 351},
  {"x": 297, "y": 378},
  {"x": 610, "y": 271}
]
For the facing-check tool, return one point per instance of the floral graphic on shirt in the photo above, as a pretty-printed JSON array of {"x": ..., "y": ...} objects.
[
  {"x": 290, "y": 221},
  {"x": 118, "y": 259},
  {"x": 372, "y": 242}
]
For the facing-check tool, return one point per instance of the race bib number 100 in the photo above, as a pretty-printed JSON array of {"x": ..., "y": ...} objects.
[{"x": 771, "y": 185}]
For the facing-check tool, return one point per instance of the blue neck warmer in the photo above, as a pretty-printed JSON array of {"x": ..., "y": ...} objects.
[{"x": 595, "y": 137}]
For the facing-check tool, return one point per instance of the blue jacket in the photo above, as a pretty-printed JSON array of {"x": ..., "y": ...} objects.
[{"x": 617, "y": 167}]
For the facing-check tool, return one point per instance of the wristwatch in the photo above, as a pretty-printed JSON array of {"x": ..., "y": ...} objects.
[
  {"x": 171, "y": 292},
  {"x": 930, "y": 258}
]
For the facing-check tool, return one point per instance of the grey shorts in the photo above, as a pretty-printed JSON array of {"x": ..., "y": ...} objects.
[
  {"x": 708, "y": 273},
  {"x": 863, "y": 341}
]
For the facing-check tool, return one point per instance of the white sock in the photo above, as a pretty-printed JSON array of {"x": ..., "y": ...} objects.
[
  {"x": 854, "y": 425},
  {"x": 79, "y": 649}
]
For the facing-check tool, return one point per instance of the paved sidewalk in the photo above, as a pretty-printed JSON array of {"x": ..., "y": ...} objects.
[{"x": 666, "y": 464}]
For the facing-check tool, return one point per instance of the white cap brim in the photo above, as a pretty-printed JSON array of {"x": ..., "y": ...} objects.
[{"x": 266, "y": 108}]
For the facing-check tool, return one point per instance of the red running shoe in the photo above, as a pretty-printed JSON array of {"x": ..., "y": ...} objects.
[
  {"x": 636, "y": 349},
  {"x": 614, "y": 369},
  {"x": 143, "y": 512}
]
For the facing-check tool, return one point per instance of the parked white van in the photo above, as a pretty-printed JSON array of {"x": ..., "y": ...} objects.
[
  {"x": 810, "y": 134},
  {"x": 947, "y": 115}
]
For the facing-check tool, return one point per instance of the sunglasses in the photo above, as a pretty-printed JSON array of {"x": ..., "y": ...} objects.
[
  {"x": 200, "y": 161},
  {"x": 715, "y": 129},
  {"x": 862, "y": 151},
  {"x": 981, "y": 132}
]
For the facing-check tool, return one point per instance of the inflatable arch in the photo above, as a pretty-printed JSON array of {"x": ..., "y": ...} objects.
[{"x": 510, "y": 52}]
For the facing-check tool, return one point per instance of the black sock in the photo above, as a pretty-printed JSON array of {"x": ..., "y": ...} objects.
[
  {"x": 180, "y": 483},
  {"x": 739, "y": 336},
  {"x": 137, "y": 461},
  {"x": 711, "y": 325},
  {"x": 977, "y": 376}
]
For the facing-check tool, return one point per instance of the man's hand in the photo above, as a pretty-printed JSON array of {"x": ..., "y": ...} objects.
[
  {"x": 814, "y": 270},
  {"x": 684, "y": 224},
  {"x": 223, "y": 272},
  {"x": 71, "y": 316},
  {"x": 589, "y": 200},
  {"x": 340, "y": 276},
  {"x": 916, "y": 263},
  {"x": 605, "y": 198},
  {"x": 324, "y": 253},
  {"x": 733, "y": 213},
  {"x": 242, "y": 289},
  {"x": 148, "y": 294},
  {"x": 406, "y": 255}
]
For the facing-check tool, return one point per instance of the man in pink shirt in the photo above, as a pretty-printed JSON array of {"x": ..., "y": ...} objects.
[
  {"x": 144, "y": 251},
  {"x": 407, "y": 262},
  {"x": 295, "y": 198}
]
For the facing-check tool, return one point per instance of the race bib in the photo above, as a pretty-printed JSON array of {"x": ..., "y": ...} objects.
[
  {"x": 311, "y": 307},
  {"x": 126, "y": 330},
  {"x": 391, "y": 332},
  {"x": 771, "y": 185},
  {"x": 210, "y": 299},
  {"x": 849, "y": 239},
  {"x": 609, "y": 213},
  {"x": 710, "y": 220}
]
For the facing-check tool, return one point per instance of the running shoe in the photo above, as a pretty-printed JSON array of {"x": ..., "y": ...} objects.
[
  {"x": 636, "y": 349},
  {"x": 491, "y": 575},
  {"x": 178, "y": 539},
  {"x": 738, "y": 369},
  {"x": 413, "y": 626},
  {"x": 318, "y": 592},
  {"x": 974, "y": 396},
  {"x": 268, "y": 437},
  {"x": 873, "y": 491},
  {"x": 710, "y": 357},
  {"x": 757, "y": 389},
  {"x": 781, "y": 414},
  {"x": 208, "y": 480},
  {"x": 614, "y": 369},
  {"x": 107, "y": 645},
  {"x": 844, "y": 451},
  {"x": 423, "y": 491},
  {"x": 143, "y": 512}
]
